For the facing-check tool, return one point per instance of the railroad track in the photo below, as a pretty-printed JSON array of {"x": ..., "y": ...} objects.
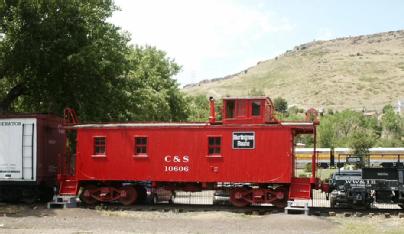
[
  {"x": 182, "y": 208},
  {"x": 16, "y": 209},
  {"x": 251, "y": 210}
]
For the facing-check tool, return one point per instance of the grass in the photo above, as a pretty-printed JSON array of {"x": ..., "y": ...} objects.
[
  {"x": 298, "y": 78},
  {"x": 321, "y": 173},
  {"x": 401, "y": 65},
  {"x": 325, "y": 173},
  {"x": 367, "y": 78},
  {"x": 369, "y": 225}
]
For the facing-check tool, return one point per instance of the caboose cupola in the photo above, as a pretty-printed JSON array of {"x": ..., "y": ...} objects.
[{"x": 253, "y": 110}]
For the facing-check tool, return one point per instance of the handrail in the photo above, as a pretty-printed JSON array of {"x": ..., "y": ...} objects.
[{"x": 70, "y": 117}]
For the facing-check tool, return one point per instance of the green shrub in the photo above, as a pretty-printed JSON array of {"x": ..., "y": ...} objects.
[{"x": 307, "y": 167}]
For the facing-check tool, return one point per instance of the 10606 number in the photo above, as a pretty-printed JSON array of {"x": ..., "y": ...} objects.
[{"x": 176, "y": 168}]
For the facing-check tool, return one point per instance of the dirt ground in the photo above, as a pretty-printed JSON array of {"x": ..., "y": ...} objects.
[{"x": 38, "y": 219}]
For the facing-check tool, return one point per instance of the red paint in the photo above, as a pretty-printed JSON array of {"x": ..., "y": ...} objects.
[
  {"x": 273, "y": 151},
  {"x": 180, "y": 152}
]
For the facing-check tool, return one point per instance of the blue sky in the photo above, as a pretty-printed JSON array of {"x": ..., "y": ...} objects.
[{"x": 214, "y": 38}]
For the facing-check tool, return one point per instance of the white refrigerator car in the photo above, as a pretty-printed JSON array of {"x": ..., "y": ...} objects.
[{"x": 30, "y": 146}]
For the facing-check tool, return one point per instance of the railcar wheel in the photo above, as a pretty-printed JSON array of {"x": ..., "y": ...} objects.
[
  {"x": 368, "y": 206},
  {"x": 281, "y": 194},
  {"x": 141, "y": 194},
  {"x": 29, "y": 196},
  {"x": 46, "y": 194},
  {"x": 155, "y": 199},
  {"x": 85, "y": 195},
  {"x": 11, "y": 195},
  {"x": 280, "y": 204},
  {"x": 29, "y": 200},
  {"x": 171, "y": 201},
  {"x": 238, "y": 197},
  {"x": 130, "y": 195}
]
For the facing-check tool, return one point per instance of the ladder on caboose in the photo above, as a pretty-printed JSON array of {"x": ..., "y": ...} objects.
[{"x": 27, "y": 162}]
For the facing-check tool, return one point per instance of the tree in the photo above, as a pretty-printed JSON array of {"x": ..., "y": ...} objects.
[
  {"x": 151, "y": 93},
  {"x": 402, "y": 128},
  {"x": 343, "y": 128},
  {"x": 281, "y": 105},
  {"x": 349, "y": 129},
  {"x": 294, "y": 110},
  {"x": 387, "y": 107},
  {"x": 361, "y": 140},
  {"x": 254, "y": 92},
  {"x": 199, "y": 108},
  {"x": 327, "y": 132},
  {"x": 391, "y": 123},
  {"x": 57, "y": 53}
]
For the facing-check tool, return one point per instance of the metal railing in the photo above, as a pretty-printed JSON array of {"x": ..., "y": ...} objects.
[{"x": 207, "y": 198}]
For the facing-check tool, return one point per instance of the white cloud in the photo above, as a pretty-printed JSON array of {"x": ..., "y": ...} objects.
[{"x": 196, "y": 33}]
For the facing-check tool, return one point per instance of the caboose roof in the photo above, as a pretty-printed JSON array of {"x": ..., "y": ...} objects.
[
  {"x": 302, "y": 125},
  {"x": 245, "y": 98},
  {"x": 144, "y": 124}
]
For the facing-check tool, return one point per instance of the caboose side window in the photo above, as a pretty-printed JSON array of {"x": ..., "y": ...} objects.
[
  {"x": 99, "y": 145},
  {"x": 214, "y": 144},
  {"x": 140, "y": 145},
  {"x": 230, "y": 108},
  {"x": 255, "y": 108}
]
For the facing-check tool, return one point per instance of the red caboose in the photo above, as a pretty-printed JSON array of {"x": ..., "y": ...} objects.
[{"x": 249, "y": 148}]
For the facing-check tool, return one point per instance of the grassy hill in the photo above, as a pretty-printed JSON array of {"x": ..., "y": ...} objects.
[{"x": 350, "y": 72}]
